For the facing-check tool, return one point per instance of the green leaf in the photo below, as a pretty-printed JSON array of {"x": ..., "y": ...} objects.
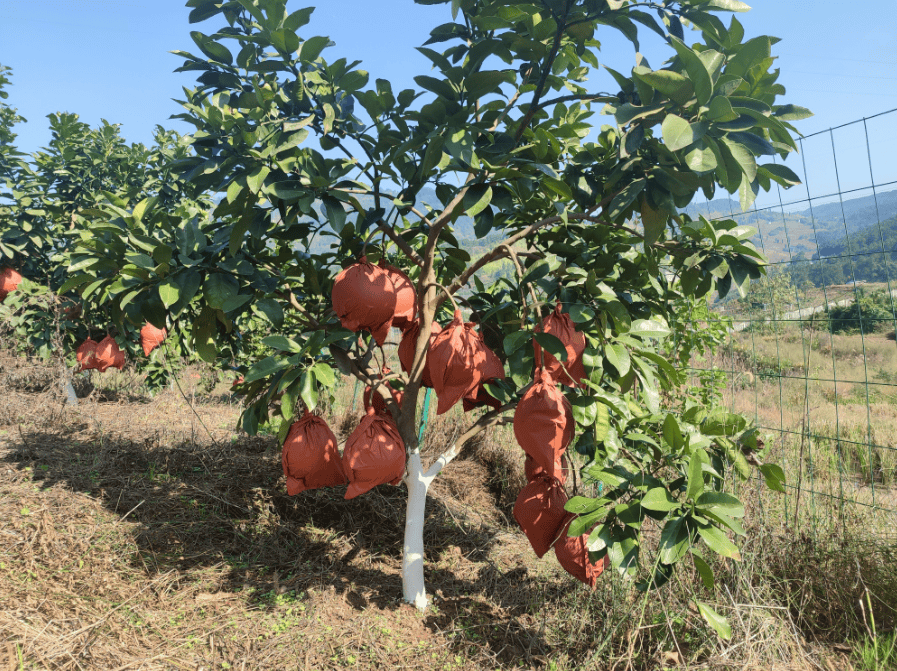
[
  {"x": 336, "y": 215},
  {"x": 791, "y": 113},
  {"x": 779, "y": 173},
  {"x": 721, "y": 502},
  {"x": 703, "y": 569},
  {"x": 312, "y": 48},
  {"x": 720, "y": 109},
  {"x": 654, "y": 222},
  {"x": 717, "y": 541},
  {"x": 649, "y": 328},
  {"x": 219, "y": 288},
  {"x": 672, "y": 434},
  {"x": 585, "y": 410},
  {"x": 477, "y": 199},
  {"x": 553, "y": 345},
  {"x": 701, "y": 159},
  {"x": 324, "y": 374},
  {"x": 659, "y": 499},
  {"x": 624, "y": 199},
  {"x": 256, "y": 178},
  {"x": 581, "y": 505},
  {"x": 751, "y": 53},
  {"x": 516, "y": 340},
  {"x": 697, "y": 72},
  {"x": 266, "y": 367},
  {"x": 696, "y": 474},
  {"x": 774, "y": 476},
  {"x": 672, "y": 84},
  {"x": 169, "y": 292},
  {"x": 618, "y": 356},
  {"x": 729, "y": 5},
  {"x": 718, "y": 622},
  {"x": 601, "y": 426},
  {"x": 308, "y": 390},
  {"x": 211, "y": 48},
  {"x": 678, "y": 133},
  {"x": 271, "y": 310},
  {"x": 674, "y": 541},
  {"x": 282, "y": 343},
  {"x": 285, "y": 41}
]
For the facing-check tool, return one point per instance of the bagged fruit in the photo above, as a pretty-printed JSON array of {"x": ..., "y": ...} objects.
[
  {"x": 151, "y": 337},
  {"x": 458, "y": 360},
  {"x": 310, "y": 457},
  {"x": 9, "y": 282},
  {"x": 364, "y": 299},
  {"x": 406, "y": 299},
  {"x": 106, "y": 354},
  {"x": 573, "y": 555},
  {"x": 560, "y": 325},
  {"x": 86, "y": 355},
  {"x": 539, "y": 510},
  {"x": 374, "y": 454},
  {"x": 494, "y": 370},
  {"x": 406, "y": 350},
  {"x": 543, "y": 422}
]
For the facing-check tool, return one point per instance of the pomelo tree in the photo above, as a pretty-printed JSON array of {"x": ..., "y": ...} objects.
[
  {"x": 314, "y": 165},
  {"x": 48, "y": 199}
]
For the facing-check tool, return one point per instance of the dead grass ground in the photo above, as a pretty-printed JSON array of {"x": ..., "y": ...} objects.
[{"x": 133, "y": 538}]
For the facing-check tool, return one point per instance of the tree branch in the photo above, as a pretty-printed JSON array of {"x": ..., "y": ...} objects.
[{"x": 490, "y": 419}]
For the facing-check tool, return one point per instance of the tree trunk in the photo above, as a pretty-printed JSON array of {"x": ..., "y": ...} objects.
[
  {"x": 71, "y": 398},
  {"x": 413, "y": 553}
]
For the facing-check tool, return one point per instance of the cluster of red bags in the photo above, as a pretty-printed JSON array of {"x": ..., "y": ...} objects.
[
  {"x": 374, "y": 455},
  {"x": 543, "y": 427},
  {"x": 9, "y": 282},
  {"x": 100, "y": 356}
]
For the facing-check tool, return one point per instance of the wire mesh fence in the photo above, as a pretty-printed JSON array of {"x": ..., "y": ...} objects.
[{"x": 811, "y": 354}]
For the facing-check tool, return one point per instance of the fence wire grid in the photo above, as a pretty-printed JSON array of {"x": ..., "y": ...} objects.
[{"x": 811, "y": 354}]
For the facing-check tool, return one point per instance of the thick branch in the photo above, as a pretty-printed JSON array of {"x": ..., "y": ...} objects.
[{"x": 490, "y": 419}]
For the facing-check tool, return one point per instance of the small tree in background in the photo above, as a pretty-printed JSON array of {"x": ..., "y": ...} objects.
[{"x": 313, "y": 167}]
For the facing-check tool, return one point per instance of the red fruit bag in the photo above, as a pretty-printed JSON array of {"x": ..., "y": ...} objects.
[
  {"x": 409, "y": 343},
  {"x": 86, "y": 355},
  {"x": 374, "y": 455},
  {"x": 151, "y": 337},
  {"x": 310, "y": 457},
  {"x": 9, "y": 282},
  {"x": 458, "y": 359},
  {"x": 106, "y": 353},
  {"x": 539, "y": 511},
  {"x": 562, "y": 327},
  {"x": 364, "y": 298},
  {"x": 119, "y": 361},
  {"x": 493, "y": 370},
  {"x": 574, "y": 557},
  {"x": 543, "y": 422},
  {"x": 373, "y": 399},
  {"x": 533, "y": 470},
  {"x": 406, "y": 299}
]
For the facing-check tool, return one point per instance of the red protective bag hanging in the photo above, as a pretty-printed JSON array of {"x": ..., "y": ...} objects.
[
  {"x": 406, "y": 299},
  {"x": 364, "y": 299},
  {"x": 409, "y": 343},
  {"x": 310, "y": 457},
  {"x": 374, "y": 455},
  {"x": 9, "y": 282},
  {"x": 573, "y": 555},
  {"x": 533, "y": 470},
  {"x": 86, "y": 355},
  {"x": 372, "y": 399},
  {"x": 493, "y": 370},
  {"x": 543, "y": 422},
  {"x": 560, "y": 325},
  {"x": 151, "y": 337},
  {"x": 539, "y": 510},
  {"x": 458, "y": 360},
  {"x": 119, "y": 361},
  {"x": 106, "y": 353}
]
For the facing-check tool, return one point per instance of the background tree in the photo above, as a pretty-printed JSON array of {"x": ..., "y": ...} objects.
[{"x": 503, "y": 130}]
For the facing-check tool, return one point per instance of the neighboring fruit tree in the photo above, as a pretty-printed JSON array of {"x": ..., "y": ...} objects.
[{"x": 300, "y": 149}]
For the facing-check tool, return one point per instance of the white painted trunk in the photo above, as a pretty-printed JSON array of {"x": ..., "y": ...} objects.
[{"x": 413, "y": 555}]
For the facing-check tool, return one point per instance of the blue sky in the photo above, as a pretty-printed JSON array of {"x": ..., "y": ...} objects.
[{"x": 109, "y": 59}]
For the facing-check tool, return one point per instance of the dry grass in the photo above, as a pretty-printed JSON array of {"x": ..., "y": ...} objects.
[{"x": 146, "y": 533}]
